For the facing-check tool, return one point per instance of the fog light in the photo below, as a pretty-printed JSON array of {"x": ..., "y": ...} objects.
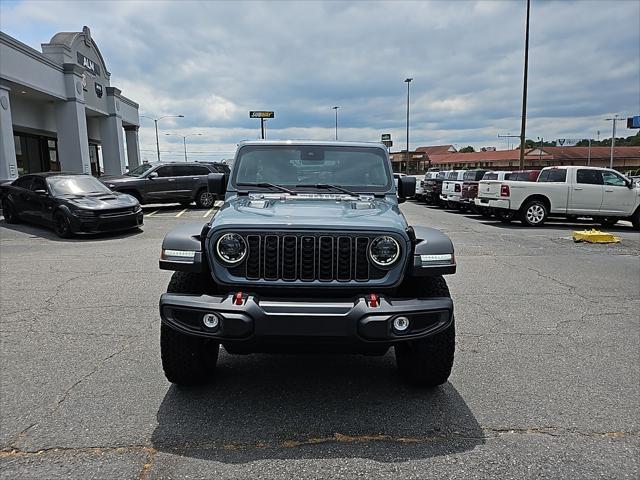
[
  {"x": 400, "y": 324},
  {"x": 211, "y": 321}
]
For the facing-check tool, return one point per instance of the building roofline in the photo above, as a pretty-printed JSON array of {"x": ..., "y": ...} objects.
[{"x": 27, "y": 50}]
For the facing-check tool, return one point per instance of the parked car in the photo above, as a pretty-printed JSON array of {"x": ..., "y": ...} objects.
[
  {"x": 69, "y": 203},
  {"x": 163, "y": 182},
  {"x": 523, "y": 176},
  {"x": 452, "y": 188},
  {"x": 600, "y": 193},
  {"x": 470, "y": 189},
  {"x": 290, "y": 266},
  {"x": 433, "y": 187},
  {"x": 480, "y": 205},
  {"x": 419, "y": 195},
  {"x": 397, "y": 177}
]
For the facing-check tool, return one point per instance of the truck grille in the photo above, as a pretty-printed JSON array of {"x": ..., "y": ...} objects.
[{"x": 308, "y": 257}]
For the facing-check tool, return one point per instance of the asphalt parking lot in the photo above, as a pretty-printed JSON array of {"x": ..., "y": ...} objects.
[{"x": 546, "y": 381}]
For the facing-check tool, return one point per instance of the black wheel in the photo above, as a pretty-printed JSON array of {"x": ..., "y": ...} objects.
[
  {"x": 534, "y": 213},
  {"x": 463, "y": 208},
  {"x": 10, "y": 215},
  {"x": 607, "y": 221},
  {"x": 62, "y": 225},
  {"x": 187, "y": 360},
  {"x": 506, "y": 216},
  {"x": 204, "y": 199},
  {"x": 428, "y": 362}
]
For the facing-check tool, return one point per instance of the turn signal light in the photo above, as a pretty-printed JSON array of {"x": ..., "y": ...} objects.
[
  {"x": 504, "y": 191},
  {"x": 456, "y": 187},
  {"x": 237, "y": 299},
  {"x": 373, "y": 300}
]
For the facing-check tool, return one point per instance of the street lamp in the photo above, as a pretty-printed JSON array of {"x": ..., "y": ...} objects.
[
  {"x": 614, "y": 119},
  {"x": 156, "y": 122},
  {"x": 336, "y": 109},
  {"x": 184, "y": 140},
  {"x": 408, "y": 81}
]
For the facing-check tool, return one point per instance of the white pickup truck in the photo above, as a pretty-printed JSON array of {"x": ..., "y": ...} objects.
[
  {"x": 452, "y": 188},
  {"x": 600, "y": 193}
]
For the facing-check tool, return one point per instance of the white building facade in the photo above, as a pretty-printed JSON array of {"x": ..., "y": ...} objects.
[{"x": 59, "y": 112}]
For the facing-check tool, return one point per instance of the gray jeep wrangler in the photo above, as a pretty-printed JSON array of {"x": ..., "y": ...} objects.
[{"x": 309, "y": 253}]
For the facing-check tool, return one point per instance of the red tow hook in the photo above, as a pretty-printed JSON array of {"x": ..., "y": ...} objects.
[
  {"x": 373, "y": 300},
  {"x": 237, "y": 299}
]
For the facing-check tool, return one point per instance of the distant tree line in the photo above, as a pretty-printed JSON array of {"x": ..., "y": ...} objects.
[{"x": 631, "y": 141}]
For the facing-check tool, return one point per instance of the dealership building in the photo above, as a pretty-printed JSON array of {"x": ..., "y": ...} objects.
[{"x": 59, "y": 112}]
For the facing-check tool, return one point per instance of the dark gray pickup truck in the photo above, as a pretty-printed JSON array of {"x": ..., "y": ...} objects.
[
  {"x": 162, "y": 182},
  {"x": 309, "y": 253}
]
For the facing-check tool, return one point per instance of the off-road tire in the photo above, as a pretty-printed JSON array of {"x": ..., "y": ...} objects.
[
  {"x": 9, "y": 213},
  {"x": 186, "y": 359},
  {"x": 204, "y": 199},
  {"x": 506, "y": 216},
  {"x": 62, "y": 225},
  {"x": 428, "y": 362}
]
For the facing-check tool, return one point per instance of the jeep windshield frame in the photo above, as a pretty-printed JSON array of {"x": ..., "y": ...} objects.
[{"x": 358, "y": 169}]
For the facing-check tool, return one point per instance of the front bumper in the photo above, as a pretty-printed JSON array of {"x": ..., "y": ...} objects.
[
  {"x": 97, "y": 224},
  {"x": 253, "y": 320},
  {"x": 493, "y": 203}
]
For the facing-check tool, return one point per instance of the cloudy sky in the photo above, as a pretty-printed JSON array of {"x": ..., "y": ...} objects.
[{"x": 214, "y": 61}]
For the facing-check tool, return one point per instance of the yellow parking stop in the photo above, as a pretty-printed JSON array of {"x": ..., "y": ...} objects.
[{"x": 594, "y": 236}]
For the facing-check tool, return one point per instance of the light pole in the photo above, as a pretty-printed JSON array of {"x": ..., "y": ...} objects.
[
  {"x": 408, "y": 82},
  {"x": 524, "y": 89},
  {"x": 184, "y": 140},
  {"x": 614, "y": 119},
  {"x": 336, "y": 109},
  {"x": 155, "y": 120}
]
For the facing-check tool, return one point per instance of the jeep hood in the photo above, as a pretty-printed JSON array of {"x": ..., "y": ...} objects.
[{"x": 320, "y": 212}]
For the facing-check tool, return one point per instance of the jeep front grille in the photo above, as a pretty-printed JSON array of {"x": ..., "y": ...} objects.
[{"x": 302, "y": 256}]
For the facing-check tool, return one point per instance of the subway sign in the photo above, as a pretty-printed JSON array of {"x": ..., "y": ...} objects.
[{"x": 261, "y": 114}]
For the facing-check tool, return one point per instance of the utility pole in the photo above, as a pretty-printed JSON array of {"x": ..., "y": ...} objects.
[
  {"x": 614, "y": 119},
  {"x": 589, "y": 156},
  {"x": 524, "y": 89},
  {"x": 184, "y": 141},
  {"x": 408, "y": 82},
  {"x": 508, "y": 136},
  {"x": 336, "y": 110}
]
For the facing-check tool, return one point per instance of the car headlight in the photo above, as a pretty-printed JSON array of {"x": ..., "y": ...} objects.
[
  {"x": 231, "y": 248},
  {"x": 384, "y": 251}
]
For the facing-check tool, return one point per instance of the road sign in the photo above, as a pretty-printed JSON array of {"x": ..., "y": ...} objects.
[
  {"x": 388, "y": 143},
  {"x": 261, "y": 114},
  {"x": 386, "y": 137},
  {"x": 633, "y": 122}
]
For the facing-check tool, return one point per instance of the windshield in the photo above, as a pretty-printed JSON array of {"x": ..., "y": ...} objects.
[
  {"x": 362, "y": 169},
  {"x": 139, "y": 170},
  {"x": 490, "y": 176},
  {"x": 76, "y": 185}
]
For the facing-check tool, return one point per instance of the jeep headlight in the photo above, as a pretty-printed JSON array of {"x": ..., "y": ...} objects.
[
  {"x": 231, "y": 248},
  {"x": 384, "y": 251}
]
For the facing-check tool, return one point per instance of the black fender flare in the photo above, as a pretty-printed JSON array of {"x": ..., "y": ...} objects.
[
  {"x": 433, "y": 243},
  {"x": 186, "y": 238}
]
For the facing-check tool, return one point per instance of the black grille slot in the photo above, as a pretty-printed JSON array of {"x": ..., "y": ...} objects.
[
  {"x": 289, "y": 257},
  {"x": 344, "y": 259},
  {"x": 307, "y": 258},
  {"x": 253, "y": 259},
  {"x": 271, "y": 257},
  {"x": 325, "y": 258},
  {"x": 362, "y": 262}
]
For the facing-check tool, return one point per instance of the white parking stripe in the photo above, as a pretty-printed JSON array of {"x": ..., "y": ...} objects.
[
  {"x": 180, "y": 213},
  {"x": 219, "y": 203},
  {"x": 208, "y": 213},
  {"x": 152, "y": 213}
]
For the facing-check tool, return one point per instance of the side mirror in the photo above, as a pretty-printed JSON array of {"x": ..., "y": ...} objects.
[
  {"x": 42, "y": 193},
  {"x": 406, "y": 188},
  {"x": 152, "y": 175},
  {"x": 217, "y": 183}
]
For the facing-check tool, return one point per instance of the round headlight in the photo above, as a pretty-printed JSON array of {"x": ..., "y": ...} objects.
[
  {"x": 384, "y": 251},
  {"x": 231, "y": 248}
]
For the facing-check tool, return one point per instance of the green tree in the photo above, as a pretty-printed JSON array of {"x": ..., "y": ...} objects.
[{"x": 467, "y": 149}]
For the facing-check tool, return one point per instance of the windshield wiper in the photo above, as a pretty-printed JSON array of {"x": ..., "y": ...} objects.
[
  {"x": 326, "y": 186},
  {"x": 266, "y": 185}
]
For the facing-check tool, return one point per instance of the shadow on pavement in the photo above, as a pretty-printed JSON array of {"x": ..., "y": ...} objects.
[
  {"x": 43, "y": 232},
  {"x": 295, "y": 407}
]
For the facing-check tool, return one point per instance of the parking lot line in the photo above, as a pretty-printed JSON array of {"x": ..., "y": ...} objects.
[
  {"x": 152, "y": 213},
  {"x": 180, "y": 213},
  {"x": 208, "y": 213}
]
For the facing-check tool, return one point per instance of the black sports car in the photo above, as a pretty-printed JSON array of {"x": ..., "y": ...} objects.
[{"x": 70, "y": 203}]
